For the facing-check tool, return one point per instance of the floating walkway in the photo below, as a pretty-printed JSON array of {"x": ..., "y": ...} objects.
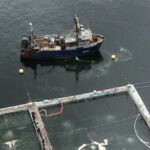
[
  {"x": 39, "y": 127},
  {"x": 37, "y": 120}
]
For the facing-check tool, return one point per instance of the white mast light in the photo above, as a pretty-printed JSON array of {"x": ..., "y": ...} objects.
[{"x": 30, "y": 23}]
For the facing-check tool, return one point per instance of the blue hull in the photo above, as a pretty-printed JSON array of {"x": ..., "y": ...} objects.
[{"x": 43, "y": 55}]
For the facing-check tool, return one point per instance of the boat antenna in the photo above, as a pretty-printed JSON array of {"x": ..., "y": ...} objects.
[
  {"x": 31, "y": 29},
  {"x": 76, "y": 11}
]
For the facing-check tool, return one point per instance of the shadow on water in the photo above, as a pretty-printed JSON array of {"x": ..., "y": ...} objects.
[{"x": 75, "y": 65}]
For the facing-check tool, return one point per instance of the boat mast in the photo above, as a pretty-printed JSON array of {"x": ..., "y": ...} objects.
[
  {"x": 76, "y": 20},
  {"x": 31, "y": 33},
  {"x": 77, "y": 25}
]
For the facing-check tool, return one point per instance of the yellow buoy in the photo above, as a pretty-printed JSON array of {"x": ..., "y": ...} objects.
[
  {"x": 113, "y": 57},
  {"x": 21, "y": 71}
]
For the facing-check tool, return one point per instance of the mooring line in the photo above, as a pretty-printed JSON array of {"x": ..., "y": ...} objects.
[
  {"x": 147, "y": 144},
  {"x": 145, "y": 82},
  {"x": 26, "y": 89},
  {"x": 142, "y": 87}
]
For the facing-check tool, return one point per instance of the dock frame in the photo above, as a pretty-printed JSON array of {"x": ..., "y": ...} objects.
[{"x": 39, "y": 125}]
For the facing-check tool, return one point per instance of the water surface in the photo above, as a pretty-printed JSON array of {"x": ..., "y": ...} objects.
[{"x": 125, "y": 26}]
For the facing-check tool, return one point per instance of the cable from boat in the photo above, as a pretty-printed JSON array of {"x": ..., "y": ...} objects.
[{"x": 81, "y": 60}]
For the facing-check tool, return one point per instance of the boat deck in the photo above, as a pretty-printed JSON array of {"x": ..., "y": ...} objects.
[{"x": 46, "y": 45}]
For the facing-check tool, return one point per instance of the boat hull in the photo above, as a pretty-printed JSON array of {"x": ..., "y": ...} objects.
[{"x": 61, "y": 54}]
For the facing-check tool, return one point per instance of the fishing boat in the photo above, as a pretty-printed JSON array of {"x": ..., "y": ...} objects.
[{"x": 75, "y": 43}]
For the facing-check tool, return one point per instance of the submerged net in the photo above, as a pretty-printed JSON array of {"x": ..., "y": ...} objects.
[
  {"x": 17, "y": 132},
  {"x": 109, "y": 118}
]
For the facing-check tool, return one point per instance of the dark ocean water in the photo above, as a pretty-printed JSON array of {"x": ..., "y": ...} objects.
[{"x": 125, "y": 26}]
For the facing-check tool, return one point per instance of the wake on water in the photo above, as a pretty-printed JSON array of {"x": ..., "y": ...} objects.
[
  {"x": 124, "y": 55},
  {"x": 102, "y": 68}
]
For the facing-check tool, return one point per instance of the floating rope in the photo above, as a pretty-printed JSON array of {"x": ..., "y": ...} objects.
[
  {"x": 142, "y": 87},
  {"x": 147, "y": 144},
  {"x": 145, "y": 82},
  {"x": 55, "y": 114}
]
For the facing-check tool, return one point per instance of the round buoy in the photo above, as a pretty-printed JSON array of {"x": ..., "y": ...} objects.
[
  {"x": 113, "y": 57},
  {"x": 21, "y": 71}
]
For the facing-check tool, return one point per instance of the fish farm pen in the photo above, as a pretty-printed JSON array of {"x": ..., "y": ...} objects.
[{"x": 43, "y": 125}]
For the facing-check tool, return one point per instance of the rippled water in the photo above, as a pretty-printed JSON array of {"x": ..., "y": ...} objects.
[{"x": 125, "y": 26}]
